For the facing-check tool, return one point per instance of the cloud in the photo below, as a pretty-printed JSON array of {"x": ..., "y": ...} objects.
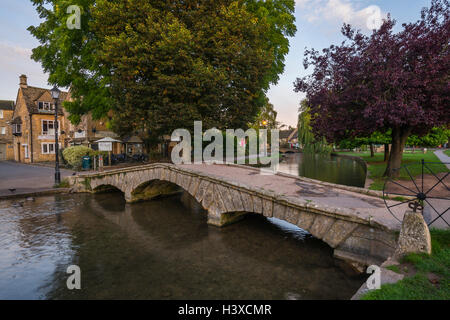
[
  {"x": 336, "y": 12},
  {"x": 16, "y": 60},
  {"x": 15, "y": 50}
]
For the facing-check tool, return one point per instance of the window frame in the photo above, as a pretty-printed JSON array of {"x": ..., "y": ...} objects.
[
  {"x": 26, "y": 151},
  {"x": 47, "y": 146},
  {"x": 46, "y": 106},
  {"x": 15, "y": 128},
  {"x": 47, "y": 132}
]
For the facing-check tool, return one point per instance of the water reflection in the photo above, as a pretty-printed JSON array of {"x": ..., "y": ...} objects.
[
  {"x": 332, "y": 169},
  {"x": 161, "y": 249}
]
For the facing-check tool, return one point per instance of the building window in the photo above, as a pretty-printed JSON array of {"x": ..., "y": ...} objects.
[
  {"x": 48, "y": 148},
  {"x": 2, "y": 130},
  {"x": 25, "y": 151},
  {"x": 46, "y": 106},
  {"x": 48, "y": 127},
  {"x": 1, "y": 114},
  {"x": 17, "y": 128}
]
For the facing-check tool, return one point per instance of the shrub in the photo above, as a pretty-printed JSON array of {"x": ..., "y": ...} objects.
[
  {"x": 74, "y": 155},
  {"x": 63, "y": 184}
]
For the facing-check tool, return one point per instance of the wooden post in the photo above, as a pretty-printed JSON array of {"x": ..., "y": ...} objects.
[{"x": 109, "y": 158}]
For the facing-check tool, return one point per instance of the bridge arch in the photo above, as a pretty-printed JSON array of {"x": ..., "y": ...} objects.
[
  {"x": 102, "y": 185},
  {"x": 105, "y": 188},
  {"x": 352, "y": 237},
  {"x": 225, "y": 204}
]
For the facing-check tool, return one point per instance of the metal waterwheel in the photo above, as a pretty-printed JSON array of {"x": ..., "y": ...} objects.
[{"x": 431, "y": 196}]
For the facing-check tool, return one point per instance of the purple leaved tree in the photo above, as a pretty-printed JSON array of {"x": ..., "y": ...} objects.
[{"x": 387, "y": 80}]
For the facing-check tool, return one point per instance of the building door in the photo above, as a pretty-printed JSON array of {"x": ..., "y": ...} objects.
[
  {"x": 2, "y": 151},
  {"x": 18, "y": 152}
]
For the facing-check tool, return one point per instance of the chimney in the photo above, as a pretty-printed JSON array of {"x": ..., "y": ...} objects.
[{"x": 23, "y": 81}]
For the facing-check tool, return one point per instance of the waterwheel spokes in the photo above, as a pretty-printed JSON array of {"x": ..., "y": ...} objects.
[
  {"x": 412, "y": 179},
  {"x": 392, "y": 213},
  {"x": 413, "y": 193},
  {"x": 403, "y": 202},
  {"x": 423, "y": 162},
  {"x": 438, "y": 198},
  {"x": 391, "y": 194},
  {"x": 417, "y": 199},
  {"x": 439, "y": 215},
  {"x": 437, "y": 183},
  {"x": 386, "y": 204}
]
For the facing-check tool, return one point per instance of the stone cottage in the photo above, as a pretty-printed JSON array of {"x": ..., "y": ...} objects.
[
  {"x": 6, "y": 137},
  {"x": 33, "y": 124}
]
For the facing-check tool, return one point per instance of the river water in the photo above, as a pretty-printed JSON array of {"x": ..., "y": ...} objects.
[
  {"x": 161, "y": 249},
  {"x": 334, "y": 169}
]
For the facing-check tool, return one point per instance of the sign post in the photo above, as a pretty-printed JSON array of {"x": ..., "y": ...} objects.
[{"x": 106, "y": 144}]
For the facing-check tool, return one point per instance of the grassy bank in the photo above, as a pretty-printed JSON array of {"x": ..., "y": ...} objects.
[
  {"x": 377, "y": 166},
  {"x": 447, "y": 152},
  {"x": 427, "y": 277}
]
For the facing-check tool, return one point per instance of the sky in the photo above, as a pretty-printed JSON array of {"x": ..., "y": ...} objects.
[{"x": 318, "y": 26}]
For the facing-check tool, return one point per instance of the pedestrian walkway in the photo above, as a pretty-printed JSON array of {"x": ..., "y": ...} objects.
[
  {"x": 443, "y": 157},
  {"x": 18, "y": 178}
]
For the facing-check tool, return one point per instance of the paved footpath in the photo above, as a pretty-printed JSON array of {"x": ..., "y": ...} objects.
[
  {"x": 443, "y": 157},
  {"x": 329, "y": 195},
  {"x": 26, "y": 178}
]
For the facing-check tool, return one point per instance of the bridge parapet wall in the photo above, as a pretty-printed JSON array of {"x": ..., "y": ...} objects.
[{"x": 355, "y": 239}]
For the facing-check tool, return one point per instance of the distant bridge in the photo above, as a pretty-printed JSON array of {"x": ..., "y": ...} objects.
[{"x": 351, "y": 220}]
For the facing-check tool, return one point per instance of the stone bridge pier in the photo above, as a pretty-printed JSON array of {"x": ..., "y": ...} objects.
[{"x": 357, "y": 240}]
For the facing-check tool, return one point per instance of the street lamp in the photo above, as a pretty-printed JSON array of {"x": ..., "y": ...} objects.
[{"x": 55, "y": 95}]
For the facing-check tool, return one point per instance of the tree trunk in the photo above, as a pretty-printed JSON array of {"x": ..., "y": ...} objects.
[
  {"x": 399, "y": 137},
  {"x": 372, "y": 151},
  {"x": 386, "y": 152}
]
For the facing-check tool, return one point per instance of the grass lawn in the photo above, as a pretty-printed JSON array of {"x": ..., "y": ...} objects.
[
  {"x": 377, "y": 166},
  {"x": 431, "y": 280},
  {"x": 447, "y": 152}
]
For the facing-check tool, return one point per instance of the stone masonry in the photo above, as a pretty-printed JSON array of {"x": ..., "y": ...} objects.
[{"x": 360, "y": 240}]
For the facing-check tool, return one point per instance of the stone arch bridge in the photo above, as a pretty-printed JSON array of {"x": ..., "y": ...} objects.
[{"x": 353, "y": 221}]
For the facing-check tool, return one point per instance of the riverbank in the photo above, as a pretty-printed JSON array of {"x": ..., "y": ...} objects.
[
  {"x": 376, "y": 166},
  {"x": 425, "y": 277}
]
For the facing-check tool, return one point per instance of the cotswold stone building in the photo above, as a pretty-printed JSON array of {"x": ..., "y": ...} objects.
[
  {"x": 6, "y": 138},
  {"x": 33, "y": 129},
  {"x": 88, "y": 131},
  {"x": 33, "y": 124}
]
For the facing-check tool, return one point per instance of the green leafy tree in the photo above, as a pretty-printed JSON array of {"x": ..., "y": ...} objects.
[
  {"x": 161, "y": 64},
  {"x": 267, "y": 117},
  {"x": 376, "y": 137},
  {"x": 68, "y": 56},
  {"x": 309, "y": 142},
  {"x": 436, "y": 137},
  {"x": 279, "y": 14}
]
